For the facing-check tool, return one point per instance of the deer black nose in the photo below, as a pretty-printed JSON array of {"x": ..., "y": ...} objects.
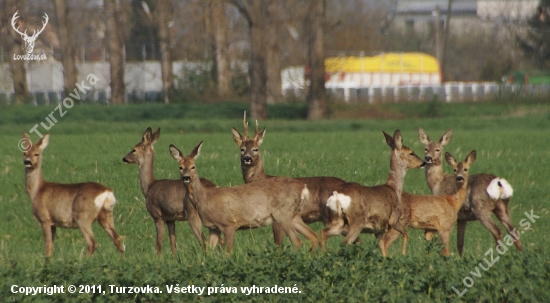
[
  {"x": 27, "y": 162},
  {"x": 428, "y": 158},
  {"x": 459, "y": 178},
  {"x": 186, "y": 178},
  {"x": 247, "y": 158}
]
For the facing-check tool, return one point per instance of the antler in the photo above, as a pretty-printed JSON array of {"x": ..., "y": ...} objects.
[
  {"x": 245, "y": 125},
  {"x": 43, "y": 26},
  {"x": 15, "y": 16}
]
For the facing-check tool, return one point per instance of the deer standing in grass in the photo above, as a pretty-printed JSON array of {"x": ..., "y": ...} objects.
[
  {"x": 164, "y": 199},
  {"x": 75, "y": 205},
  {"x": 486, "y": 193},
  {"x": 435, "y": 213},
  {"x": 373, "y": 209},
  {"x": 320, "y": 188},
  {"x": 252, "y": 205}
]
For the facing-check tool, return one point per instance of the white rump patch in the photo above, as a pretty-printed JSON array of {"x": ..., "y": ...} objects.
[
  {"x": 105, "y": 200},
  {"x": 305, "y": 193},
  {"x": 499, "y": 189},
  {"x": 344, "y": 200}
]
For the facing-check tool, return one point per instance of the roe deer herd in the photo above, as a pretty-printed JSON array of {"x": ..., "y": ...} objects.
[{"x": 288, "y": 204}]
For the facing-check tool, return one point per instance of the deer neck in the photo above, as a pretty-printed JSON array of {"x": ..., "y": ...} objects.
[
  {"x": 434, "y": 176},
  {"x": 396, "y": 177},
  {"x": 255, "y": 172},
  {"x": 34, "y": 181},
  {"x": 146, "y": 175},
  {"x": 460, "y": 195},
  {"x": 197, "y": 193}
]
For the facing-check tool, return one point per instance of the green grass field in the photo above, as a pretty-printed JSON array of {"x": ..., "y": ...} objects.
[{"x": 89, "y": 142}]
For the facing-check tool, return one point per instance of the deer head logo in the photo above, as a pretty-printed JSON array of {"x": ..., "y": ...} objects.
[{"x": 29, "y": 41}]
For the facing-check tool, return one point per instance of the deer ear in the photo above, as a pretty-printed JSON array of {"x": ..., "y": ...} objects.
[
  {"x": 450, "y": 160},
  {"x": 155, "y": 136},
  {"x": 423, "y": 137},
  {"x": 196, "y": 151},
  {"x": 389, "y": 140},
  {"x": 446, "y": 138},
  {"x": 26, "y": 136},
  {"x": 146, "y": 136},
  {"x": 471, "y": 158},
  {"x": 398, "y": 139},
  {"x": 175, "y": 153},
  {"x": 260, "y": 136},
  {"x": 43, "y": 142},
  {"x": 237, "y": 137}
]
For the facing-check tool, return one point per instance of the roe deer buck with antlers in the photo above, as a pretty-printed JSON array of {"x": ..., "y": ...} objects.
[
  {"x": 435, "y": 213},
  {"x": 320, "y": 188},
  {"x": 373, "y": 209},
  {"x": 486, "y": 193},
  {"x": 75, "y": 205},
  {"x": 164, "y": 199},
  {"x": 252, "y": 205}
]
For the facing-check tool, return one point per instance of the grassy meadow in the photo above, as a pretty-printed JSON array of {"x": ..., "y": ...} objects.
[{"x": 89, "y": 142}]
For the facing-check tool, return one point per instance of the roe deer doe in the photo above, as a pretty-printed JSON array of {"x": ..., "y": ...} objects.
[
  {"x": 252, "y": 205},
  {"x": 164, "y": 199},
  {"x": 320, "y": 188},
  {"x": 486, "y": 193},
  {"x": 373, "y": 209},
  {"x": 435, "y": 213},
  {"x": 75, "y": 205}
]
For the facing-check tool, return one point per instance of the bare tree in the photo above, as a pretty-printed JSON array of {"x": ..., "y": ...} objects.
[
  {"x": 316, "y": 99},
  {"x": 255, "y": 13},
  {"x": 217, "y": 27},
  {"x": 163, "y": 20},
  {"x": 15, "y": 44},
  {"x": 67, "y": 47},
  {"x": 273, "y": 62},
  {"x": 446, "y": 41},
  {"x": 115, "y": 51}
]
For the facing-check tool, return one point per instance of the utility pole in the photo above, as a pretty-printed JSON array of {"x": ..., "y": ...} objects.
[{"x": 437, "y": 13}]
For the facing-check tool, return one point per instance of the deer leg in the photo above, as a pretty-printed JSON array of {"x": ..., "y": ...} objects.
[
  {"x": 503, "y": 214},
  {"x": 389, "y": 237},
  {"x": 214, "y": 237},
  {"x": 329, "y": 231},
  {"x": 159, "y": 224},
  {"x": 445, "y": 235},
  {"x": 353, "y": 233},
  {"x": 278, "y": 233},
  {"x": 382, "y": 243},
  {"x": 48, "y": 237},
  {"x": 106, "y": 220},
  {"x": 195, "y": 223},
  {"x": 229, "y": 233},
  {"x": 172, "y": 235},
  {"x": 53, "y": 228},
  {"x": 87, "y": 232},
  {"x": 461, "y": 230},
  {"x": 429, "y": 234},
  {"x": 303, "y": 229},
  {"x": 488, "y": 222}
]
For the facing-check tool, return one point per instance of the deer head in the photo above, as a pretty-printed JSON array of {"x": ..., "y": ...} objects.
[
  {"x": 32, "y": 158},
  {"x": 188, "y": 171},
  {"x": 143, "y": 148},
  {"x": 434, "y": 149},
  {"x": 250, "y": 148},
  {"x": 461, "y": 168},
  {"x": 405, "y": 156},
  {"x": 29, "y": 41}
]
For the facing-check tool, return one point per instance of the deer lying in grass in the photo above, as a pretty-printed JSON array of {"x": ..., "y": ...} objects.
[
  {"x": 373, "y": 209},
  {"x": 164, "y": 199},
  {"x": 435, "y": 213},
  {"x": 75, "y": 205},
  {"x": 252, "y": 205},
  {"x": 486, "y": 193},
  {"x": 320, "y": 188}
]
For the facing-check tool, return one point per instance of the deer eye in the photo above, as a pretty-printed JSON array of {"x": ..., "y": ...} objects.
[
  {"x": 437, "y": 150},
  {"x": 133, "y": 150},
  {"x": 242, "y": 150},
  {"x": 465, "y": 169},
  {"x": 181, "y": 167},
  {"x": 193, "y": 167},
  {"x": 255, "y": 150},
  {"x": 454, "y": 170},
  {"x": 36, "y": 155}
]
